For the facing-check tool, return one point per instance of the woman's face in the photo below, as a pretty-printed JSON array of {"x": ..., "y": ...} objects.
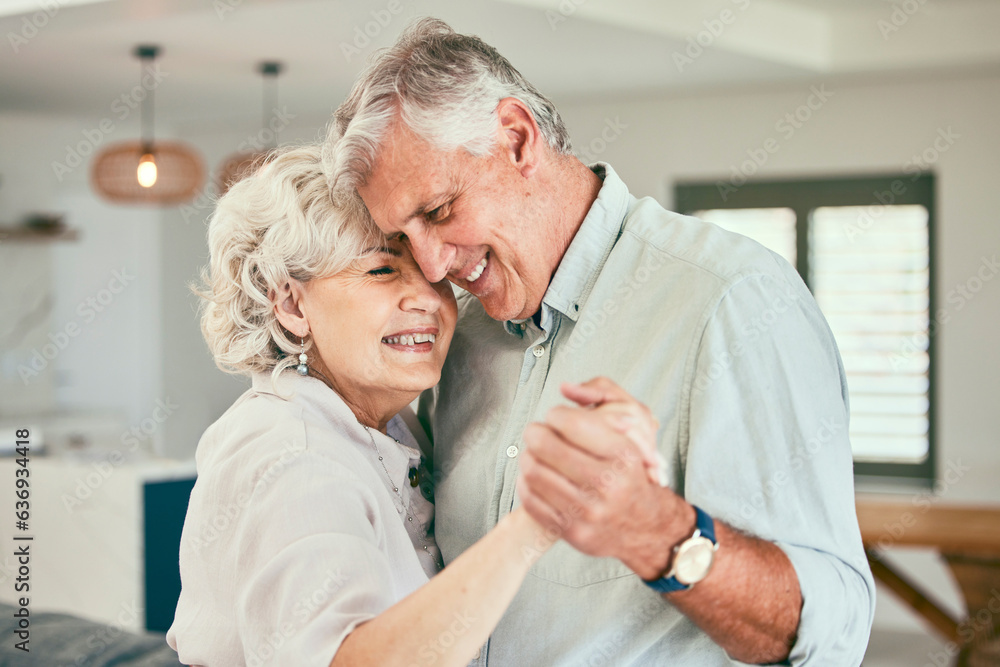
[{"x": 382, "y": 331}]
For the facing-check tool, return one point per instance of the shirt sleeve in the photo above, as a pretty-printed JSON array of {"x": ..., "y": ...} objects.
[
  {"x": 309, "y": 569},
  {"x": 768, "y": 452}
]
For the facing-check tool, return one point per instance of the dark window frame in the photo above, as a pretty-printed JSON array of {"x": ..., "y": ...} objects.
[{"x": 803, "y": 196}]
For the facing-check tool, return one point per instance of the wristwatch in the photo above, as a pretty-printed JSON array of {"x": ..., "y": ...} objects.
[{"x": 692, "y": 558}]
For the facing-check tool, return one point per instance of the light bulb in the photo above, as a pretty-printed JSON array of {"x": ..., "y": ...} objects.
[{"x": 146, "y": 173}]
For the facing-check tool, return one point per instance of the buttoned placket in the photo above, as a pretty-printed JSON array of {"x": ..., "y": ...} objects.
[{"x": 534, "y": 370}]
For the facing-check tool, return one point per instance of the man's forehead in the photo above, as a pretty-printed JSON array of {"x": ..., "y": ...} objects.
[{"x": 408, "y": 176}]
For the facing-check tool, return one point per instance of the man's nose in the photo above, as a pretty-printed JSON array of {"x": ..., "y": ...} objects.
[{"x": 432, "y": 256}]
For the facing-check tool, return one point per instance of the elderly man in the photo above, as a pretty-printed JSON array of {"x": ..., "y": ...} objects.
[{"x": 751, "y": 552}]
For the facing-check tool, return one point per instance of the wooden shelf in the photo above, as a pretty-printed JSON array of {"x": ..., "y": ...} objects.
[{"x": 28, "y": 235}]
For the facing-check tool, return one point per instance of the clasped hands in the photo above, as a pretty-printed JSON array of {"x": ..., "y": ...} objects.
[{"x": 592, "y": 474}]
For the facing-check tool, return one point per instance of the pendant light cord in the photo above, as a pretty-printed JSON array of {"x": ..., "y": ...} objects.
[
  {"x": 146, "y": 54},
  {"x": 270, "y": 71}
]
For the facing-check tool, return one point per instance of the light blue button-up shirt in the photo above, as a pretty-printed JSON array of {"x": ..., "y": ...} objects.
[{"x": 723, "y": 341}]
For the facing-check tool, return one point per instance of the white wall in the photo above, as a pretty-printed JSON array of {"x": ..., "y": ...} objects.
[
  {"x": 859, "y": 129},
  {"x": 190, "y": 376},
  {"x": 112, "y": 364}
]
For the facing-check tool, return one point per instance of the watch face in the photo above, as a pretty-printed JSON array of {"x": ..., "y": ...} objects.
[{"x": 694, "y": 560}]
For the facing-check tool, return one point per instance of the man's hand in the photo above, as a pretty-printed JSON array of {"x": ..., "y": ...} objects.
[
  {"x": 585, "y": 475},
  {"x": 593, "y": 474}
]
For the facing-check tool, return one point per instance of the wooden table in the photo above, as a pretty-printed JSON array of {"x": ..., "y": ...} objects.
[{"x": 968, "y": 538}]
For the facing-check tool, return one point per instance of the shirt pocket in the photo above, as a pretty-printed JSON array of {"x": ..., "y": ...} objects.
[{"x": 566, "y": 566}]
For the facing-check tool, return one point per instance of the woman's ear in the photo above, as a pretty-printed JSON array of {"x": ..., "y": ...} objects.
[{"x": 286, "y": 300}]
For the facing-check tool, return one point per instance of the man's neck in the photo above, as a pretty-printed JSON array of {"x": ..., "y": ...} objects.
[{"x": 578, "y": 190}]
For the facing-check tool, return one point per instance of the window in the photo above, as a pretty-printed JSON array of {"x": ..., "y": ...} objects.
[{"x": 863, "y": 247}]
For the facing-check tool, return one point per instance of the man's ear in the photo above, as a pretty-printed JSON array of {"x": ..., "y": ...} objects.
[
  {"x": 286, "y": 300},
  {"x": 522, "y": 139}
]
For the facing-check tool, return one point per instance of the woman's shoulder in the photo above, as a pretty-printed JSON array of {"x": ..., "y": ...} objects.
[{"x": 266, "y": 429}]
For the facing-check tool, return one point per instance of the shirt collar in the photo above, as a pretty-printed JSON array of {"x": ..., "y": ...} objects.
[
  {"x": 313, "y": 395},
  {"x": 588, "y": 251}
]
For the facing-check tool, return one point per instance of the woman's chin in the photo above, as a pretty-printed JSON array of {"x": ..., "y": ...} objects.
[{"x": 420, "y": 381}]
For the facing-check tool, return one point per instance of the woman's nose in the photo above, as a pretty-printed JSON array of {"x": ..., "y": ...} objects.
[{"x": 420, "y": 295}]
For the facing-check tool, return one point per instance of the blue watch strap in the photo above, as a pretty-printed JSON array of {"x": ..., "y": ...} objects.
[
  {"x": 704, "y": 523},
  {"x": 706, "y": 527}
]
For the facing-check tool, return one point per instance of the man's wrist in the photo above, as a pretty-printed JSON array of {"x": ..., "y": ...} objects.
[{"x": 676, "y": 519}]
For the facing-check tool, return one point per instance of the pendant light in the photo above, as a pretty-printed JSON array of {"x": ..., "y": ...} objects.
[
  {"x": 161, "y": 173},
  {"x": 240, "y": 165}
]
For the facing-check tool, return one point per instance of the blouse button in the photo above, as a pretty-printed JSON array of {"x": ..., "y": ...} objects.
[
  {"x": 511, "y": 451},
  {"x": 538, "y": 350}
]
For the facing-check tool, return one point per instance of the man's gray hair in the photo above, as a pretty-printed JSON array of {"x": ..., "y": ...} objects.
[{"x": 445, "y": 87}]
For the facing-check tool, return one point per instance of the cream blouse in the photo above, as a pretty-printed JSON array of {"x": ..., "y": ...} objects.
[{"x": 294, "y": 535}]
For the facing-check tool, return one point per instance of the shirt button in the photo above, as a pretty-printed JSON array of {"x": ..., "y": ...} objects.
[
  {"x": 511, "y": 451},
  {"x": 538, "y": 350}
]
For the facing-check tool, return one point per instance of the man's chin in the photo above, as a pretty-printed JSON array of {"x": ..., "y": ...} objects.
[
  {"x": 502, "y": 310},
  {"x": 497, "y": 308}
]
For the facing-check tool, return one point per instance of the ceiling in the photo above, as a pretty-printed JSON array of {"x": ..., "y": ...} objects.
[{"x": 74, "y": 58}]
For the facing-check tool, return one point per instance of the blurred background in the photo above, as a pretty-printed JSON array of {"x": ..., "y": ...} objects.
[{"x": 859, "y": 138}]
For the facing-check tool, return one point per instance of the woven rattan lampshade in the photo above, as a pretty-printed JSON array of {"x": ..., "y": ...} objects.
[
  {"x": 179, "y": 179},
  {"x": 171, "y": 172},
  {"x": 237, "y": 167}
]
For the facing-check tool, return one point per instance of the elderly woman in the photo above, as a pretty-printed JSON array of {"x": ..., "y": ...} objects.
[{"x": 309, "y": 535}]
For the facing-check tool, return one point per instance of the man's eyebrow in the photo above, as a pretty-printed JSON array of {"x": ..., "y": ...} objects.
[
  {"x": 383, "y": 249},
  {"x": 423, "y": 208},
  {"x": 419, "y": 211}
]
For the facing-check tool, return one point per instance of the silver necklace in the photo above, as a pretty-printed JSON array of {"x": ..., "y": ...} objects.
[{"x": 406, "y": 508}]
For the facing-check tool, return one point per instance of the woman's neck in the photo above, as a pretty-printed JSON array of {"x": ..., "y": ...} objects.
[{"x": 373, "y": 412}]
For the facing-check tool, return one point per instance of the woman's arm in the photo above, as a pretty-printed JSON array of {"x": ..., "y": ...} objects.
[{"x": 463, "y": 603}]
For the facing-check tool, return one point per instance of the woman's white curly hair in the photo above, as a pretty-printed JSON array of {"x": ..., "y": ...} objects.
[{"x": 279, "y": 223}]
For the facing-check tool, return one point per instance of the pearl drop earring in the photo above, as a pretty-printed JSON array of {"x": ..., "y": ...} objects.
[{"x": 302, "y": 368}]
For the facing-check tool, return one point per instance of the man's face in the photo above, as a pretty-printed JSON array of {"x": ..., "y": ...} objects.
[{"x": 476, "y": 221}]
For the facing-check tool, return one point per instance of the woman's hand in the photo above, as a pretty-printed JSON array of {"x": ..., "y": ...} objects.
[{"x": 626, "y": 415}]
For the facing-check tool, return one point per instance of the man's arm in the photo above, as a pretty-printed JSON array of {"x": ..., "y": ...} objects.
[
  {"x": 760, "y": 442},
  {"x": 749, "y": 603}
]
